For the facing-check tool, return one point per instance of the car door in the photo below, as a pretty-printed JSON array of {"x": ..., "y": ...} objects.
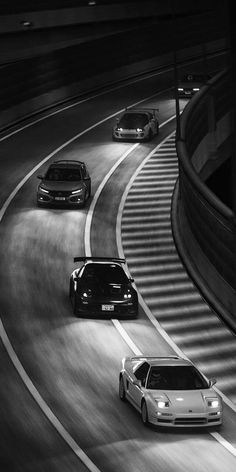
[{"x": 136, "y": 391}]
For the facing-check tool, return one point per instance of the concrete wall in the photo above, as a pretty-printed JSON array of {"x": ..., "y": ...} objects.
[{"x": 205, "y": 228}]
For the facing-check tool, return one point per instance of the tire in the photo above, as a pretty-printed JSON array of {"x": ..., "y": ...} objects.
[
  {"x": 144, "y": 413},
  {"x": 89, "y": 191},
  {"x": 122, "y": 390},
  {"x": 73, "y": 300}
]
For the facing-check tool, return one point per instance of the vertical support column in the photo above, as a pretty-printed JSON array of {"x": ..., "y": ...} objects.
[{"x": 232, "y": 41}]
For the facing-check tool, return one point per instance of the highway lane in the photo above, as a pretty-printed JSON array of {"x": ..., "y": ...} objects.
[{"x": 61, "y": 353}]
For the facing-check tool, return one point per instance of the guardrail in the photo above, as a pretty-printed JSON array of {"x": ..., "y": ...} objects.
[{"x": 204, "y": 227}]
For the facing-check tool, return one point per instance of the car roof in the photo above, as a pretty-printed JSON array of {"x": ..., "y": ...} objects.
[
  {"x": 68, "y": 164},
  {"x": 164, "y": 361}
]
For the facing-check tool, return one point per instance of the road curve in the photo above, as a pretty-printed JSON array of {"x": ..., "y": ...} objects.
[{"x": 74, "y": 363}]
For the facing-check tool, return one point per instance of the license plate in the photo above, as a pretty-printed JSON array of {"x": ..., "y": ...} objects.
[
  {"x": 60, "y": 198},
  {"x": 107, "y": 307}
]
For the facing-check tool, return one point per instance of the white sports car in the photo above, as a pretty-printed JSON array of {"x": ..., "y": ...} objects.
[
  {"x": 139, "y": 124},
  {"x": 169, "y": 391}
]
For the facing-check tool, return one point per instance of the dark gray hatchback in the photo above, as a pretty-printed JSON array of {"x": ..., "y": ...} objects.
[{"x": 66, "y": 183}]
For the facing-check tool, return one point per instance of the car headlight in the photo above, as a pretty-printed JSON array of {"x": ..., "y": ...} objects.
[
  {"x": 180, "y": 89},
  {"x": 87, "y": 293},
  {"x": 212, "y": 402},
  {"x": 196, "y": 89},
  {"x": 127, "y": 295},
  {"x": 139, "y": 130},
  {"x": 43, "y": 190},
  {"x": 80, "y": 190},
  {"x": 119, "y": 129},
  {"x": 162, "y": 403}
]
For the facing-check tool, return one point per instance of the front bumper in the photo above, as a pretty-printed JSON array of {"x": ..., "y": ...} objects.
[
  {"x": 46, "y": 199},
  {"x": 126, "y": 136},
  {"x": 107, "y": 309},
  {"x": 199, "y": 420}
]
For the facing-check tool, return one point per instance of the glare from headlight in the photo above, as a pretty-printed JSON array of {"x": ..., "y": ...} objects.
[
  {"x": 80, "y": 190},
  {"x": 212, "y": 402},
  {"x": 162, "y": 404}
]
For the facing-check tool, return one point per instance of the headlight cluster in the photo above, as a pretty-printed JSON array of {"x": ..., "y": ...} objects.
[
  {"x": 212, "y": 402},
  {"x": 43, "y": 190},
  {"x": 162, "y": 403},
  {"x": 80, "y": 190},
  {"x": 127, "y": 295},
  {"x": 87, "y": 293}
]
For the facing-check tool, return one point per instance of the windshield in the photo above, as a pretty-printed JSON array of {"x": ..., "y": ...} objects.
[
  {"x": 106, "y": 273},
  {"x": 60, "y": 174},
  {"x": 175, "y": 378},
  {"x": 133, "y": 120}
]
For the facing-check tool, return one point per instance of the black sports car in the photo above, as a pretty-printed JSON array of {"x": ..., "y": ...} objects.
[{"x": 101, "y": 286}]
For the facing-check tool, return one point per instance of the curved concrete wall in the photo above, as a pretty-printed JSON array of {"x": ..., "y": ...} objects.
[{"x": 204, "y": 228}]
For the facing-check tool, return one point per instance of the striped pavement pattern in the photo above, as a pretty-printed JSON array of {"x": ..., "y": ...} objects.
[{"x": 162, "y": 279}]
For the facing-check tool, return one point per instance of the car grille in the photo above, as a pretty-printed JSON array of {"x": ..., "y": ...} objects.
[
  {"x": 62, "y": 193},
  {"x": 129, "y": 135},
  {"x": 193, "y": 420}
]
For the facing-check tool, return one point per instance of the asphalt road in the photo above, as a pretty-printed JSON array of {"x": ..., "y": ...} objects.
[{"x": 74, "y": 419}]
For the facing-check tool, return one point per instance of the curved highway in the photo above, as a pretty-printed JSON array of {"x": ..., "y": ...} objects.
[{"x": 60, "y": 405}]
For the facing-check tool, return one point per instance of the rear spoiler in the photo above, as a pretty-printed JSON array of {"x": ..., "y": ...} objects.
[
  {"x": 153, "y": 357},
  {"x": 142, "y": 109},
  {"x": 91, "y": 258}
]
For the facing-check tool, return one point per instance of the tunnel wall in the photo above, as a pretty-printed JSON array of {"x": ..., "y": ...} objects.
[
  {"x": 44, "y": 67},
  {"x": 205, "y": 228}
]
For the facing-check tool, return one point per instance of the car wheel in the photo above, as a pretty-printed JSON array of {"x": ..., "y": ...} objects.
[
  {"x": 144, "y": 413},
  {"x": 122, "y": 389},
  {"x": 73, "y": 299},
  {"x": 89, "y": 191}
]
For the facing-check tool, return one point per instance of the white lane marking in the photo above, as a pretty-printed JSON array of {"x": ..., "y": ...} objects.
[
  {"x": 43, "y": 405},
  {"x": 87, "y": 243},
  {"x": 49, "y": 115},
  {"x": 224, "y": 443},
  {"x": 148, "y": 312},
  {"x": 126, "y": 337},
  {"x": 6, "y": 342}
]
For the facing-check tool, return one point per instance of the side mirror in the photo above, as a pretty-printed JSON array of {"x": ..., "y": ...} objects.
[
  {"x": 212, "y": 382},
  {"x": 131, "y": 279},
  {"x": 138, "y": 383}
]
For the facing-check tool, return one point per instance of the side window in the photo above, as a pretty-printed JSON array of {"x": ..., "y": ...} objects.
[{"x": 141, "y": 372}]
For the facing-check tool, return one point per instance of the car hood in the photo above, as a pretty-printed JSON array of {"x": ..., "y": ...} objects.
[
  {"x": 61, "y": 186},
  {"x": 185, "y": 400}
]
